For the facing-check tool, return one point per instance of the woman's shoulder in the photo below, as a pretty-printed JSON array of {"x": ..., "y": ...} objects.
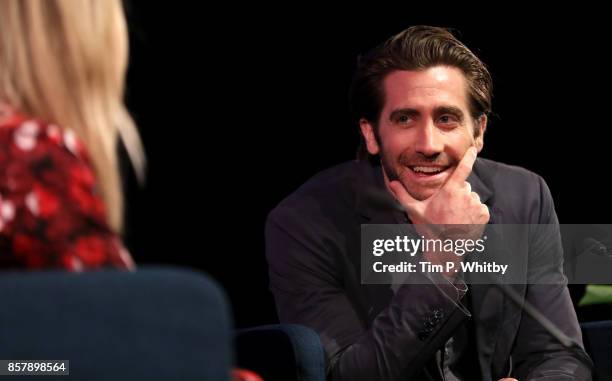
[
  {"x": 39, "y": 156},
  {"x": 51, "y": 210}
]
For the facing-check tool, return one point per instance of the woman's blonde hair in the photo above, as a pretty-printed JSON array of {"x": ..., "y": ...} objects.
[{"x": 65, "y": 61}]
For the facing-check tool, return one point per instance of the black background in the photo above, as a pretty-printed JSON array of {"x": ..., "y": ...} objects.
[{"x": 237, "y": 108}]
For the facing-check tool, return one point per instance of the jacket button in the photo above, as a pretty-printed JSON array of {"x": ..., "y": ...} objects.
[{"x": 439, "y": 314}]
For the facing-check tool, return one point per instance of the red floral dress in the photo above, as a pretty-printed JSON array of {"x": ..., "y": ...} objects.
[{"x": 51, "y": 215}]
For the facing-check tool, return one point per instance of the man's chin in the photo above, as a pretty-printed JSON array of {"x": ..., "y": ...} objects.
[
  {"x": 423, "y": 187},
  {"x": 421, "y": 194}
]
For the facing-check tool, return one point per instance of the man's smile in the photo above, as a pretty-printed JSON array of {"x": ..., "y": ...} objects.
[{"x": 428, "y": 170}]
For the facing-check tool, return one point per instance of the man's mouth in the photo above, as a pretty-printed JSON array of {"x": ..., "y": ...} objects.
[{"x": 427, "y": 171}]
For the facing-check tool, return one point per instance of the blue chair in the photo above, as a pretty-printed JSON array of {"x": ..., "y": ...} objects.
[
  {"x": 597, "y": 338},
  {"x": 153, "y": 324},
  {"x": 281, "y": 352}
]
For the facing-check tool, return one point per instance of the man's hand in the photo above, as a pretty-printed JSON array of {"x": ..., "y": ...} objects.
[{"x": 454, "y": 204}]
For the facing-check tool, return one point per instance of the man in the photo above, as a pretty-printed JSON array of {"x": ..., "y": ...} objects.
[{"x": 421, "y": 100}]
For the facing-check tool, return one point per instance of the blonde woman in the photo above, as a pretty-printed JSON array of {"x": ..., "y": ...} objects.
[{"x": 62, "y": 71}]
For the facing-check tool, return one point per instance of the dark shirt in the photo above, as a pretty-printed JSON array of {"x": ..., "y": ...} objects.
[{"x": 460, "y": 355}]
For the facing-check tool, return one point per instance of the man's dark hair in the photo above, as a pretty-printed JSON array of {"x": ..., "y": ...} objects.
[{"x": 416, "y": 48}]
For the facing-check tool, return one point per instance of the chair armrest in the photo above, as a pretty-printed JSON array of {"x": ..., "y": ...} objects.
[
  {"x": 597, "y": 337},
  {"x": 281, "y": 352}
]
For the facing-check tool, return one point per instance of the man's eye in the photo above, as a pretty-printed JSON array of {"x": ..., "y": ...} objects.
[
  {"x": 404, "y": 119},
  {"x": 446, "y": 119}
]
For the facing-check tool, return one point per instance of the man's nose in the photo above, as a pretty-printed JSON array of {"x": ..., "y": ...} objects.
[{"x": 429, "y": 141}]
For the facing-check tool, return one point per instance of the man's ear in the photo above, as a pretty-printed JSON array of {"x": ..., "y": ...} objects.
[
  {"x": 481, "y": 127},
  {"x": 367, "y": 130}
]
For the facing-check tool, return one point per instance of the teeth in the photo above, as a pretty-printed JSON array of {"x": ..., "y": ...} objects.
[{"x": 427, "y": 169}]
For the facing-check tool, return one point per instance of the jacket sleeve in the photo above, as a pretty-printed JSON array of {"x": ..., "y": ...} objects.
[
  {"x": 306, "y": 280},
  {"x": 537, "y": 354}
]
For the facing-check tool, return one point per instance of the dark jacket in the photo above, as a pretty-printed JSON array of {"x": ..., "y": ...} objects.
[{"x": 372, "y": 333}]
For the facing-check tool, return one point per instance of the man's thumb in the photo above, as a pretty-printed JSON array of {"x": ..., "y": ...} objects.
[{"x": 405, "y": 199}]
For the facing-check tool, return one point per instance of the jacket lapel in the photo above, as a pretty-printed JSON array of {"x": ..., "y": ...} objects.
[{"x": 488, "y": 301}]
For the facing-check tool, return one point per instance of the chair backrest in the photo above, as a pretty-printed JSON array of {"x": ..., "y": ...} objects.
[{"x": 152, "y": 324}]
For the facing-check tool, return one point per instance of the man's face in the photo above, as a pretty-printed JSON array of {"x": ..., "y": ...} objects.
[{"x": 424, "y": 129}]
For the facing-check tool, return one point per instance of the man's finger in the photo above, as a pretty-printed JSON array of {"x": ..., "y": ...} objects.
[
  {"x": 401, "y": 194},
  {"x": 475, "y": 196},
  {"x": 464, "y": 168}
]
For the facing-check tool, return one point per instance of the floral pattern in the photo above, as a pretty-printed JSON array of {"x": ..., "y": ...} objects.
[{"x": 51, "y": 214}]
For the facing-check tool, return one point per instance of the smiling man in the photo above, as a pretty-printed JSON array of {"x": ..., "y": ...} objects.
[
  {"x": 425, "y": 128},
  {"x": 421, "y": 101}
]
